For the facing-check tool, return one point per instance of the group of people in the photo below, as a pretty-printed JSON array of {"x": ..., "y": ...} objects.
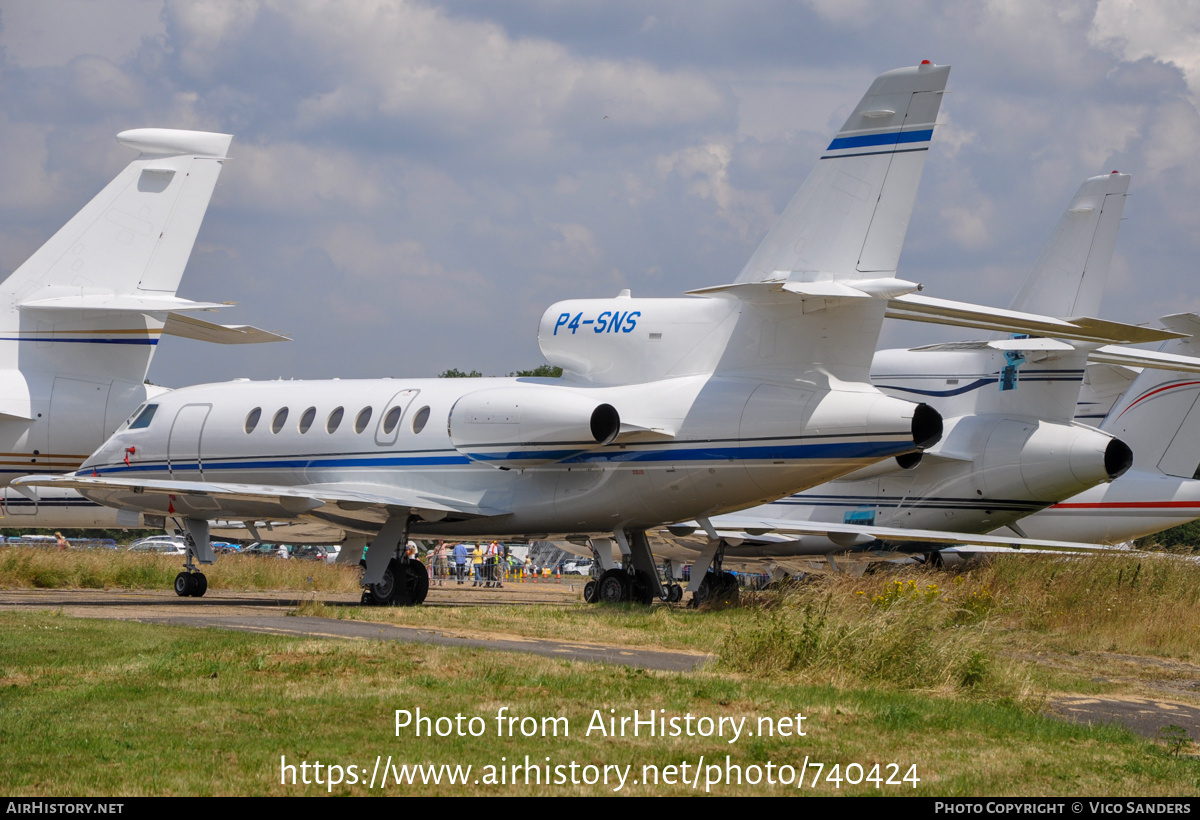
[{"x": 484, "y": 563}]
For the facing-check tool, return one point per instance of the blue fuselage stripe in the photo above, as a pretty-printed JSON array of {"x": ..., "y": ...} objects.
[
  {"x": 781, "y": 452},
  {"x": 81, "y": 341}
]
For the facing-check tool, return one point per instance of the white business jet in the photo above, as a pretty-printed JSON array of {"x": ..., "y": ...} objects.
[
  {"x": 81, "y": 318},
  {"x": 1159, "y": 416},
  {"x": 668, "y": 409}
]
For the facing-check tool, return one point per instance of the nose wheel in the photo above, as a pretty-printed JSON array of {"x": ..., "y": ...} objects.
[{"x": 191, "y": 584}]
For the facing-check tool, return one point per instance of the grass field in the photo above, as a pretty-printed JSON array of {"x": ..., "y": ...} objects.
[
  {"x": 945, "y": 672},
  {"x": 104, "y": 708},
  {"x": 43, "y": 568}
]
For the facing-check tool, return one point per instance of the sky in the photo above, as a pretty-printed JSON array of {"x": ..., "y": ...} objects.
[{"x": 413, "y": 183}]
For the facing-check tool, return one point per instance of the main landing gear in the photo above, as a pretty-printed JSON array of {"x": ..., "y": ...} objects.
[
  {"x": 636, "y": 580},
  {"x": 714, "y": 587},
  {"x": 405, "y": 583},
  {"x": 710, "y": 584},
  {"x": 390, "y": 576}
]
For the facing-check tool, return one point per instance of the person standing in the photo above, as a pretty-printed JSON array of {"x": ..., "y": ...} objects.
[
  {"x": 439, "y": 564},
  {"x": 460, "y": 561}
]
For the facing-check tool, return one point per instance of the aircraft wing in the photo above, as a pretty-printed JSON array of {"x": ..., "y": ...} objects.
[
  {"x": 202, "y": 499},
  {"x": 765, "y": 534}
]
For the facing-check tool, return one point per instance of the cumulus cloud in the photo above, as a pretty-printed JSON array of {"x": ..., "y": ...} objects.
[
  {"x": 289, "y": 178},
  {"x": 1164, "y": 30},
  {"x": 706, "y": 168},
  {"x": 395, "y": 157},
  {"x": 41, "y": 33}
]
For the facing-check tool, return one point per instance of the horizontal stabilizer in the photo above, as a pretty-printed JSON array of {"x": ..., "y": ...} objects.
[
  {"x": 189, "y": 327},
  {"x": 128, "y": 302},
  {"x": 961, "y": 314},
  {"x": 1144, "y": 358},
  {"x": 813, "y": 295}
]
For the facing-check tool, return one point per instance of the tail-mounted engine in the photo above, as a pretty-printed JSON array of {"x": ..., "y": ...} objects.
[{"x": 527, "y": 426}]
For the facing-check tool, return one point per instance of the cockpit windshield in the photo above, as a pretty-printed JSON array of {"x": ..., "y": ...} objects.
[{"x": 143, "y": 418}]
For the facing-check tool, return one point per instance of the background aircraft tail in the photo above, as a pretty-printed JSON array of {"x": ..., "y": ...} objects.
[
  {"x": 1071, "y": 273},
  {"x": 1159, "y": 415},
  {"x": 1035, "y": 377},
  {"x": 849, "y": 218},
  {"x": 93, "y": 300}
]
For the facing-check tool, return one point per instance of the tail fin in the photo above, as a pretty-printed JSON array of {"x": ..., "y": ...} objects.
[
  {"x": 1159, "y": 415},
  {"x": 137, "y": 234},
  {"x": 1067, "y": 280},
  {"x": 1069, "y": 277},
  {"x": 66, "y": 309},
  {"x": 849, "y": 218}
]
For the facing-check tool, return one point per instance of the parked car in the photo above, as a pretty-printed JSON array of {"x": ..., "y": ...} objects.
[
  {"x": 314, "y": 553},
  {"x": 161, "y": 544},
  {"x": 264, "y": 550}
]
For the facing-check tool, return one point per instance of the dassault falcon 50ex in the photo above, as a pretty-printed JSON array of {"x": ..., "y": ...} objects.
[{"x": 668, "y": 409}]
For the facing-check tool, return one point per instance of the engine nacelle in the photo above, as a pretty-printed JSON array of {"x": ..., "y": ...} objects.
[
  {"x": 530, "y": 425},
  {"x": 1050, "y": 461}
]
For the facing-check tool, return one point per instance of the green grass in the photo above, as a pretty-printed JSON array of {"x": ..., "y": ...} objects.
[
  {"x": 93, "y": 707},
  {"x": 41, "y": 568}
]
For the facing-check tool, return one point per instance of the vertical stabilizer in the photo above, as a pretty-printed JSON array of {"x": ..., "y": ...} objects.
[
  {"x": 1070, "y": 275},
  {"x": 133, "y": 239},
  {"x": 1159, "y": 415},
  {"x": 137, "y": 234},
  {"x": 849, "y": 218}
]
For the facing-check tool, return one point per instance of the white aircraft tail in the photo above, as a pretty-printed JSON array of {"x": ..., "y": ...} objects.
[
  {"x": 849, "y": 218},
  {"x": 1159, "y": 415},
  {"x": 93, "y": 300},
  {"x": 1071, "y": 273}
]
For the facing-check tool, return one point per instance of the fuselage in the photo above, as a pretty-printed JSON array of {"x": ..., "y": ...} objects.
[{"x": 689, "y": 446}]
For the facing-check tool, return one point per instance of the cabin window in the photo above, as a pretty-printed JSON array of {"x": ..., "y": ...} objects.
[
  {"x": 279, "y": 420},
  {"x": 335, "y": 419},
  {"x": 391, "y": 420},
  {"x": 252, "y": 419},
  {"x": 362, "y": 420},
  {"x": 144, "y": 418},
  {"x": 420, "y": 419},
  {"x": 307, "y": 419}
]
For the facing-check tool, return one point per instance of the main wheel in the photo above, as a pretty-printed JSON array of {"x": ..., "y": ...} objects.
[
  {"x": 381, "y": 594},
  {"x": 727, "y": 587},
  {"x": 589, "y": 592},
  {"x": 613, "y": 587},
  {"x": 703, "y": 592},
  {"x": 199, "y": 585},
  {"x": 643, "y": 589},
  {"x": 184, "y": 585},
  {"x": 418, "y": 582},
  {"x": 674, "y": 593}
]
